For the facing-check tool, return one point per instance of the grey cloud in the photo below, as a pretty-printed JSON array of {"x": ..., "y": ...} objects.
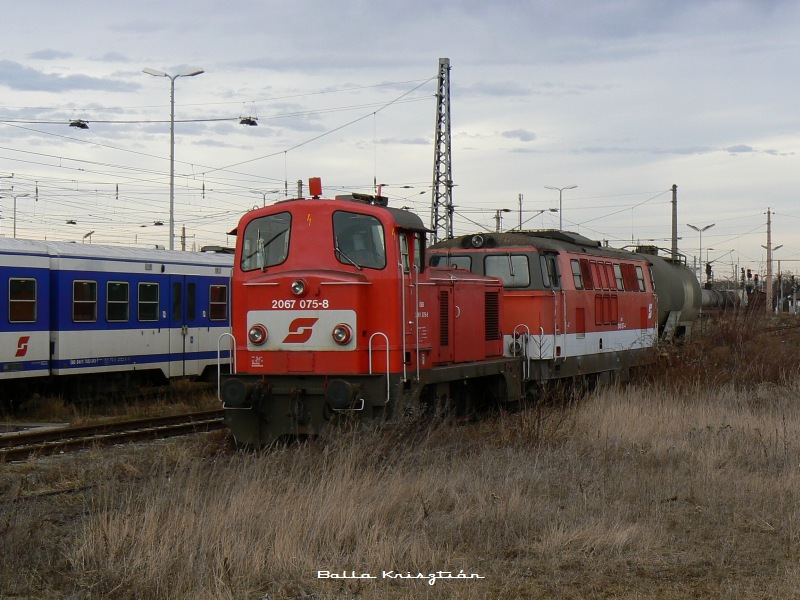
[
  {"x": 405, "y": 141},
  {"x": 19, "y": 77},
  {"x": 114, "y": 57},
  {"x": 741, "y": 148},
  {"x": 49, "y": 54},
  {"x": 522, "y": 135}
]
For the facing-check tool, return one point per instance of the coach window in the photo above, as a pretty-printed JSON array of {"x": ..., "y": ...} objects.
[
  {"x": 218, "y": 308},
  {"x": 177, "y": 301},
  {"x": 358, "y": 240},
  {"x": 511, "y": 268},
  {"x": 191, "y": 301},
  {"x": 549, "y": 271},
  {"x": 448, "y": 260},
  {"x": 84, "y": 301},
  {"x": 117, "y": 302},
  {"x": 148, "y": 302},
  {"x": 22, "y": 300},
  {"x": 265, "y": 242}
]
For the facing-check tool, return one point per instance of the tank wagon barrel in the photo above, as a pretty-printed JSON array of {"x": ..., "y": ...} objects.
[{"x": 679, "y": 293}]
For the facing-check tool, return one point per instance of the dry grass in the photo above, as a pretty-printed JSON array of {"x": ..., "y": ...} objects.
[
  {"x": 179, "y": 396},
  {"x": 689, "y": 490}
]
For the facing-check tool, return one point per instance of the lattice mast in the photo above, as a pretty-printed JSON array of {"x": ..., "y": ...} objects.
[{"x": 442, "y": 199}]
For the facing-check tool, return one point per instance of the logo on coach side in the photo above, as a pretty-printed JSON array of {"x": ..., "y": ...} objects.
[
  {"x": 300, "y": 330},
  {"x": 22, "y": 345}
]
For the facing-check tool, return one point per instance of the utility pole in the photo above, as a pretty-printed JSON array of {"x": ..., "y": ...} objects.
[
  {"x": 442, "y": 201},
  {"x": 675, "y": 223},
  {"x": 770, "y": 250},
  {"x": 520, "y": 212}
]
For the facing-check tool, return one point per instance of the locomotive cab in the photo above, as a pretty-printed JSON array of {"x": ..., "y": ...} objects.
[{"x": 333, "y": 312}]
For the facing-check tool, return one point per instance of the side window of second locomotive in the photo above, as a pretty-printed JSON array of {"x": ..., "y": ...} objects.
[
  {"x": 448, "y": 260},
  {"x": 549, "y": 268},
  {"x": 513, "y": 269}
]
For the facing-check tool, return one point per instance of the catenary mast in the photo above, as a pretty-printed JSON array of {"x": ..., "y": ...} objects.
[{"x": 442, "y": 201}]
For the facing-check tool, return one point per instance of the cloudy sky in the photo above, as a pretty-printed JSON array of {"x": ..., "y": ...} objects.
[{"x": 621, "y": 98}]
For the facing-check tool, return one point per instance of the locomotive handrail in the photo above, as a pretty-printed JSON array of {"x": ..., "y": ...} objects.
[
  {"x": 526, "y": 365},
  {"x": 564, "y": 330},
  {"x": 385, "y": 337},
  {"x": 541, "y": 342},
  {"x": 403, "y": 317},
  {"x": 219, "y": 362},
  {"x": 416, "y": 316}
]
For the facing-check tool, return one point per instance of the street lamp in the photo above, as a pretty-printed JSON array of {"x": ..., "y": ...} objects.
[
  {"x": 10, "y": 194},
  {"x": 700, "y": 230},
  {"x": 172, "y": 78},
  {"x": 560, "y": 213},
  {"x": 264, "y": 194}
]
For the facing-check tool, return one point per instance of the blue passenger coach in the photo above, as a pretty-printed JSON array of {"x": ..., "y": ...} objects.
[{"x": 89, "y": 310}]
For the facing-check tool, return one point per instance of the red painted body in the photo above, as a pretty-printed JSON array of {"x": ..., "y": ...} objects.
[
  {"x": 338, "y": 308},
  {"x": 305, "y": 269}
]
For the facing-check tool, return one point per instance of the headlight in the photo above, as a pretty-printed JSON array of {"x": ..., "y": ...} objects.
[
  {"x": 342, "y": 334},
  {"x": 298, "y": 287},
  {"x": 257, "y": 334}
]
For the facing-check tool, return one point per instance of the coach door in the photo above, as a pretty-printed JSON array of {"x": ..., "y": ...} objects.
[{"x": 184, "y": 326}]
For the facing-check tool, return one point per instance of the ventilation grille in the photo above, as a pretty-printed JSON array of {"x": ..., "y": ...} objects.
[
  {"x": 492, "y": 316},
  {"x": 444, "y": 319}
]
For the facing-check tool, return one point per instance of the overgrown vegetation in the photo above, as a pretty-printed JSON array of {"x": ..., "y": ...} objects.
[
  {"x": 684, "y": 484},
  {"x": 177, "y": 397}
]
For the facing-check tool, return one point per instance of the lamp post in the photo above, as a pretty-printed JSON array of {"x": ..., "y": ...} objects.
[
  {"x": 172, "y": 78},
  {"x": 264, "y": 194},
  {"x": 700, "y": 230},
  {"x": 560, "y": 213},
  {"x": 11, "y": 194}
]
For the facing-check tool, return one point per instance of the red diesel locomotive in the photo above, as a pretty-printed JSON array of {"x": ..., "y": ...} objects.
[{"x": 339, "y": 307}]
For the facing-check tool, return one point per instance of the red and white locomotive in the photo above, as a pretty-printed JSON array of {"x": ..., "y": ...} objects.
[{"x": 339, "y": 307}]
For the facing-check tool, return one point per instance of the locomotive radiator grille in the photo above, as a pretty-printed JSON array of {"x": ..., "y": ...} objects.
[
  {"x": 492, "y": 316},
  {"x": 444, "y": 319}
]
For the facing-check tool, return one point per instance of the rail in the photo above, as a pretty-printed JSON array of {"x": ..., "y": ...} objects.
[{"x": 22, "y": 445}]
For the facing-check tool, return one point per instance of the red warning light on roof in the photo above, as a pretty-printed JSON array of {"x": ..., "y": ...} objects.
[{"x": 315, "y": 187}]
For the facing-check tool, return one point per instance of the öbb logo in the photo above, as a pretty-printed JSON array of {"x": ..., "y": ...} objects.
[
  {"x": 22, "y": 345},
  {"x": 300, "y": 330}
]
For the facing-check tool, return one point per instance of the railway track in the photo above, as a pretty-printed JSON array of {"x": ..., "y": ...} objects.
[{"x": 22, "y": 445}]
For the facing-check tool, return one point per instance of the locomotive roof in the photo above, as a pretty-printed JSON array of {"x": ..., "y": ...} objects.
[
  {"x": 547, "y": 239},
  {"x": 404, "y": 219}
]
